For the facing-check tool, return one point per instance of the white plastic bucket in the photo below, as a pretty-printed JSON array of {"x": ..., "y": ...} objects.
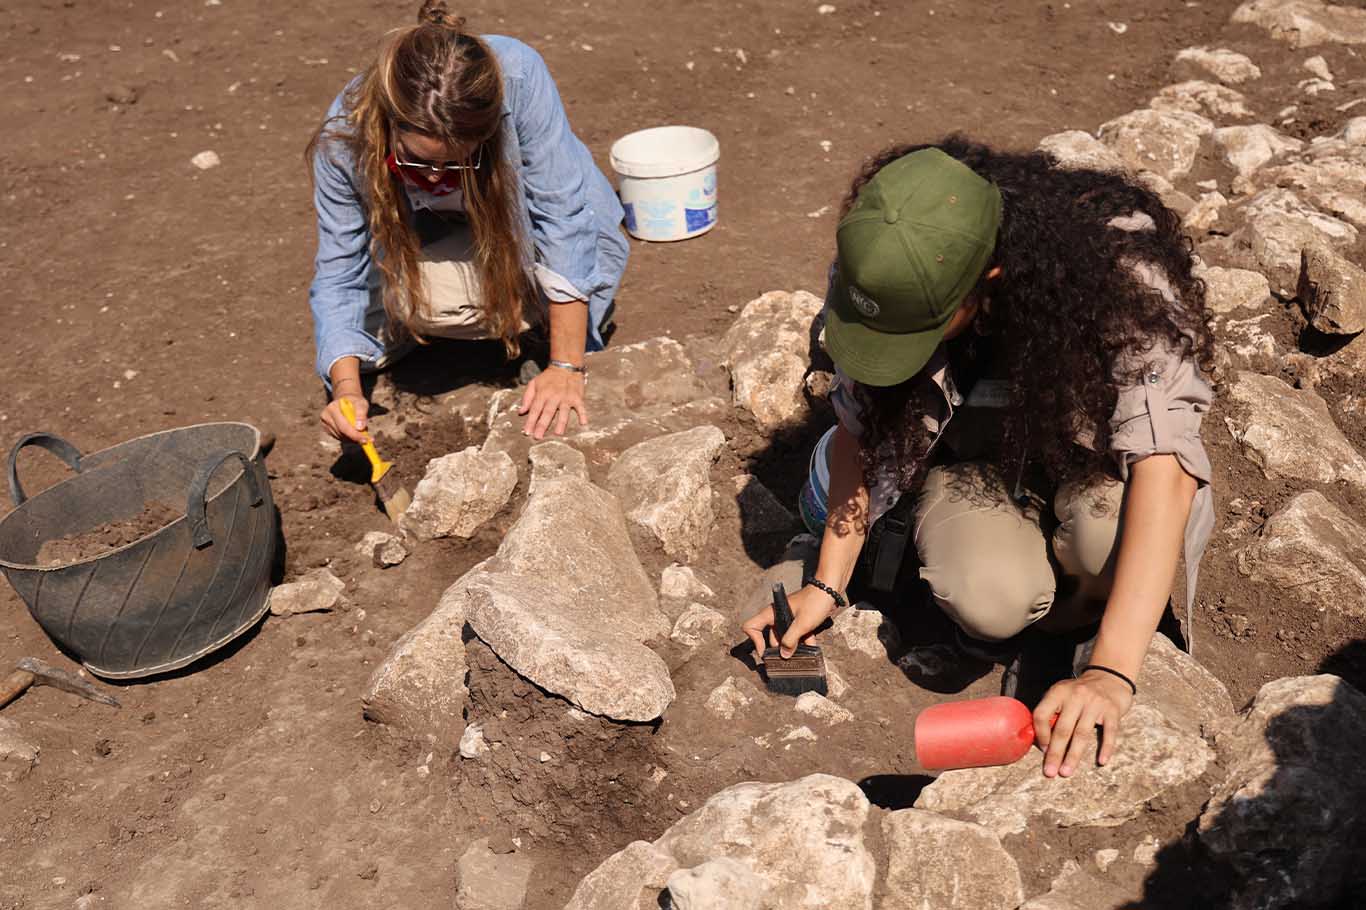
[{"x": 668, "y": 181}]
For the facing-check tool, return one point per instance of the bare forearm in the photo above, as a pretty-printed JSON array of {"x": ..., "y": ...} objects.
[
  {"x": 345, "y": 377},
  {"x": 847, "y": 526},
  {"x": 568, "y": 331},
  {"x": 1157, "y": 505}
]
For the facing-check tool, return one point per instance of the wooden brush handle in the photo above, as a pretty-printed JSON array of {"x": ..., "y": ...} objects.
[{"x": 15, "y": 685}]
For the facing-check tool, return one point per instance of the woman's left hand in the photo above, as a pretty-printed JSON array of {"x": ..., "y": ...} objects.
[
  {"x": 1080, "y": 705},
  {"x": 550, "y": 397}
]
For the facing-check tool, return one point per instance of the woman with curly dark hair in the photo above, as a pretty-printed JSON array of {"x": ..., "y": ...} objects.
[{"x": 1020, "y": 353}]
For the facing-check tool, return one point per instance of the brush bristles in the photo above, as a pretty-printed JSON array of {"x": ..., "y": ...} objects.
[
  {"x": 804, "y": 671},
  {"x": 393, "y": 495}
]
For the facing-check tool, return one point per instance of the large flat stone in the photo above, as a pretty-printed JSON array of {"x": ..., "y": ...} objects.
[
  {"x": 1155, "y": 757},
  {"x": 940, "y": 862},
  {"x": 1164, "y": 142},
  {"x": 768, "y": 352},
  {"x": 1290, "y": 433},
  {"x": 460, "y": 492},
  {"x": 419, "y": 689},
  {"x": 561, "y": 641},
  {"x": 1314, "y": 553},
  {"x": 1304, "y": 23}
]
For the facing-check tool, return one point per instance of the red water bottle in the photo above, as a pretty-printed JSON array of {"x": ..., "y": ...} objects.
[{"x": 976, "y": 733}]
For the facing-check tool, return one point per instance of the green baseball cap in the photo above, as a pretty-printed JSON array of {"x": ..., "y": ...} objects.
[{"x": 912, "y": 247}]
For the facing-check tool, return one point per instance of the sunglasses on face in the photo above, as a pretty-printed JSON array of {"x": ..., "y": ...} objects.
[{"x": 403, "y": 160}]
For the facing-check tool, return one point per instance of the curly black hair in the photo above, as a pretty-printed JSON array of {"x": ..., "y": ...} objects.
[{"x": 1071, "y": 320}]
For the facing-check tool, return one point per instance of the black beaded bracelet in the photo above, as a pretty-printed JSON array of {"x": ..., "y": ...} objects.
[
  {"x": 1132, "y": 688},
  {"x": 840, "y": 601}
]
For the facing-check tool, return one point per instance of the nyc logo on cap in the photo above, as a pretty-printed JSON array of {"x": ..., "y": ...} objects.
[{"x": 863, "y": 303}]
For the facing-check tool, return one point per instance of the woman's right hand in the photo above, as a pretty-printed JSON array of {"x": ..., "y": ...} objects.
[
  {"x": 810, "y": 607},
  {"x": 335, "y": 422}
]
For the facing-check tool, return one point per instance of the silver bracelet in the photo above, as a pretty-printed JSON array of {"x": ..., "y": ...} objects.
[{"x": 566, "y": 365}]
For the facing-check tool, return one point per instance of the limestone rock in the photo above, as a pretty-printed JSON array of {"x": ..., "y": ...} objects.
[
  {"x": 768, "y": 352},
  {"x": 1164, "y": 142},
  {"x": 1247, "y": 148},
  {"x": 1190, "y": 697},
  {"x": 472, "y": 743},
  {"x": 1199, "y": 97},
  {"x": 760, "y": 510},
  {"x": 665, "y": 486},
  {"x": 18, "y": 754},
  {"x": 556, "y": 459},
  {"x": 1080, "y": 150},
  {"x": 718, "y": 884},
  {"x": 804, "y": 839},
  {"x": 316, "y": 592},
  {"x": 1227, "y": 290},
  {"x": 1279, "y": 225},
  {"x": 940, "y": 862},
  {"x": 575, "y": 533},
  {"x": 1332, "y": 177},
  {"x": 1304, "y": 23},
  {"x": 629, "y": 880},
  {"x": 731, "y": 697},
  {"x": 1157, "y": 756},
  {"x": 1313, "y": 552},
  {"x": 636, "y": 392},
  {"x": 419, "y": 689},
  {"x": 560, "y": 640},
  {"x": 1333, "y": 291},
  {"x": 460, "y": 492},
  {"x": 682, "y": 583},
  {"x": 1205, "y": 213},
  {"x": 382, "y": 549},
  {"x": 1318, "y": 66},
  {"x": 822, "y": 708},
  {"x": 1285, "y": 818},
  {"x": 1074, "y": 889},
  {"x": 1227, "y": 66},
  {"x": 1290, "y": 433},
  {"x": 490, "y": 881},
  {"x": 696, "y": 625},
  {"x": 867, "y": 631}
]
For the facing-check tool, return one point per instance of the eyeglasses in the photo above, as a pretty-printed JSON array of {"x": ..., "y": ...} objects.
[{"x": 435, "y": 168}]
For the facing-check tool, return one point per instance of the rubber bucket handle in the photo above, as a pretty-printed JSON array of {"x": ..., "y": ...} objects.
[
  {"x": 199, "y": 487},
  {"x": 54, "y": 444}
]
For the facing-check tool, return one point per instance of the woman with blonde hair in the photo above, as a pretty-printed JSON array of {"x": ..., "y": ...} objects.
[{"x": 455, "y": 201}]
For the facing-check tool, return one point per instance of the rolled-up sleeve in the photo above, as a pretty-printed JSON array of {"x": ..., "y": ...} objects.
[
  {"x": 340, "y": 292},
  {"x": 1160, "y": 414},
  {"x": 555, "y": 180}
]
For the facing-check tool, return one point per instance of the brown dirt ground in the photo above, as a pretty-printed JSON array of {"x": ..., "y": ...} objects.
[{"x": 146, "y": 294}]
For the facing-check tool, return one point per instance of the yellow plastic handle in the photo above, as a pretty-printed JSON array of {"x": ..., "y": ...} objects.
[{"x": 378, "y": 466}]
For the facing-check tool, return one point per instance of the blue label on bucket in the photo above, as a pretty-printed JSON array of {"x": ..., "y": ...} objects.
[
  {"x": 630, "y": 216},
  {"x": 699, "y": 218}
]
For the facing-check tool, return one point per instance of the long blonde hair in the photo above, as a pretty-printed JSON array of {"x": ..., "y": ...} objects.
[{"x": 437, "y": 79}]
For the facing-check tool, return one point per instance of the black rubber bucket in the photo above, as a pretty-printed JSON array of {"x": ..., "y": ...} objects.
[{"x": 171, "y": 596}]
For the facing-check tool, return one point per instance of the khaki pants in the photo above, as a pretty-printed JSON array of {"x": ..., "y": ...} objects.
[
  {"x": 454, "y": 296},
  {"x": 987, "y": 558}
]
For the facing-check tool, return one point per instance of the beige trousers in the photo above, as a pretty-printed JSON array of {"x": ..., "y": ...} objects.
[
  {"x": 454, "y": 296},
  {"x": 987, "y": 558}
]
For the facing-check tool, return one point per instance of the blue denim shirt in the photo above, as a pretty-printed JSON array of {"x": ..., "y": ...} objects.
[{"x": 571, "y": 213}]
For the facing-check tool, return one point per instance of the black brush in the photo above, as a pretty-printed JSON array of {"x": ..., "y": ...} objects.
[{"x": 804, "y": 671}]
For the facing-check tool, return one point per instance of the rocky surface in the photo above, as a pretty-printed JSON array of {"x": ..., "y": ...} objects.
[
  {"x": 1157, "y": 757},
  {"x": 940, "y": 862},
  {"x": 561, "y": 641},
  {"x": 316, "y": 592},
  {"x": 665, "y": 486},
  {"x": 1332, "y": 290},
  {"x": 868, "y": 631},
  {"x": 1075, "y": 889},
  {"x": 1164, "y": 142},
  {"x": 1315, "y": 551},
  {"x": 1287, "y": 818},
  {"x": 1290, "y": 433},
  {"x": 1078, "y": 149},
  {"x": 698, "y": 624},
  {"x": 1305, "y": 23},
  {"x": 459, "y": 493},
  {"x": 419, "y": 688},
  {"x": 719, "y": 884},
  {"x": 486, "y": 880},
  {"x": 768, "y": 352},
  {"x": 1229, "y": 67},
  {"x": 1199, "y": 97},
  {"x": 1247, "y": 148},
  {"x": 1277, "y": 226},
  {"x": 803, "y": 840},
  {"x": 1227, "y": 290},
  {"x": 382, "y": 549}
]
